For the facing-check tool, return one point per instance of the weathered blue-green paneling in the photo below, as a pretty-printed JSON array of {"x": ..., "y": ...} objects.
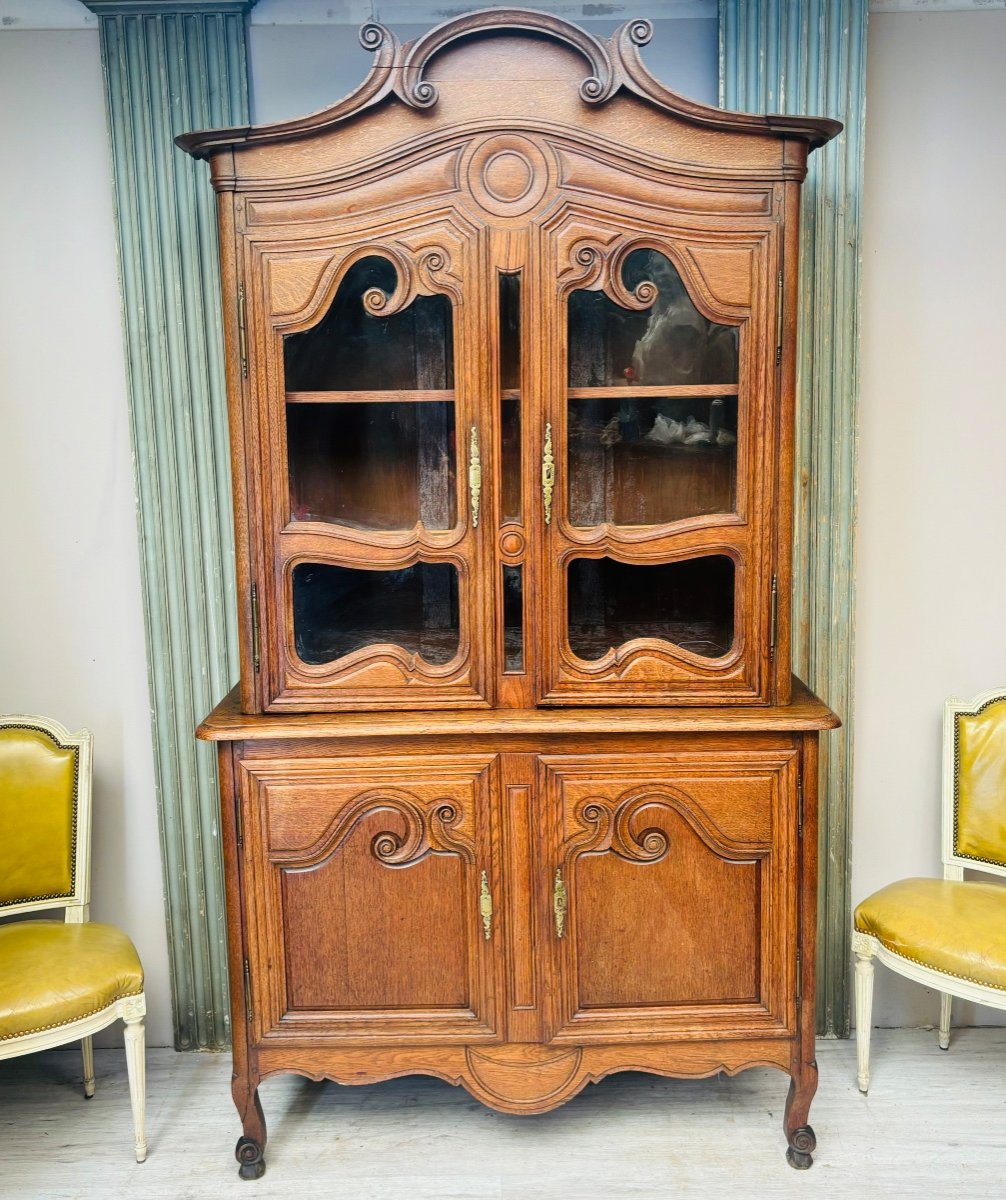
[
  {"x": 809, "y": 56},
  {"x": 171, "y": 67}
]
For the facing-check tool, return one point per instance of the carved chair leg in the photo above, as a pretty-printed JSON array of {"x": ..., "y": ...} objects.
[
  {"x": 799, "y": 1135},
  {"x": 251, "y": 1145},
  {"x": 87, "y": 1053},
  {"x": 136, "y": 1069},
  {"x": 946, "y": 1002},
  {"x": 864, "y": 1018}
]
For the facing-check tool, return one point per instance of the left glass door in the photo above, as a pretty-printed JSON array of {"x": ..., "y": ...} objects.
[{"x": 377, "y": 498}]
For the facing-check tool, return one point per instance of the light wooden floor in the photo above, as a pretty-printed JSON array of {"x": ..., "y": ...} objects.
[{"x": 934, "y": 1126}]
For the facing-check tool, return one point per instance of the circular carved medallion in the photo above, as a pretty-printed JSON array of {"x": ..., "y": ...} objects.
[
  {"x": 512, "y": 543},
  {"x": 507, "y": 175}
]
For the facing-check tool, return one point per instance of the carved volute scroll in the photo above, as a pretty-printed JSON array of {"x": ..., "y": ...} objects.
[
  {"x": 415, "y": 828},
  {"x": 619, "y": 826}
]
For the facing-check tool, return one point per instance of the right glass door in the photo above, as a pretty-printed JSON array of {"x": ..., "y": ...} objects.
[{"x": 647, "y": 464}]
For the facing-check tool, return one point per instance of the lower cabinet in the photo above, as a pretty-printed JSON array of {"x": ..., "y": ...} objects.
[{"x": 520, "y": 914}]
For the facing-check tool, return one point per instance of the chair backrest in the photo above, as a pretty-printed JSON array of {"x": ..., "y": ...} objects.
[
  {"x": 45, "y": 817},
  {"x": 974, "y": 784}
]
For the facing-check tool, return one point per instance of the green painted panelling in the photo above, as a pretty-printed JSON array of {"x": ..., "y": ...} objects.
[
  {"x": 168, "y": 69},
  {"x": 809, "y": 56}
]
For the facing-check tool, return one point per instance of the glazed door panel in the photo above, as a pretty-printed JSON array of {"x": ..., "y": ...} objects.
[
  {"x": 672, "y": 891},
  {"x": 377, "y": 903},
  {"x": 657, "y": 496},
  {"x": 372, "y": 427}
]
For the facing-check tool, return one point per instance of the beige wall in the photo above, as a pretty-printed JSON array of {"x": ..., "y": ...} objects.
[
  {"x": 71, "y": 625},
  {"x": 932, "y": 493}
]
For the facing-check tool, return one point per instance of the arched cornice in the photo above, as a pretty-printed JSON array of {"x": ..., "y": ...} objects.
[{"x": 612, "y": 65}]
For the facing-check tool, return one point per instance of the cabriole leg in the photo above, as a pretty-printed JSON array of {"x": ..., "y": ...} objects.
[
  {"x": 251, "y": 1145},
  {"x": 799, "y": 1135}
]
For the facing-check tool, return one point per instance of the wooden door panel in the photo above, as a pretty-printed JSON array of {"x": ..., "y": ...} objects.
[
  {"x": 369, "y": 880},
  {"x": 374, "y": 951},
  {"x": 678, "y": 878},
  {"x": 685, "y": 925}
]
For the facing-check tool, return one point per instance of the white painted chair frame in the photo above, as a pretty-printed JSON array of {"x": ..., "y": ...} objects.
[
  {"x": 130, "y": 1009},
  {"x": 867, "y": 948}
]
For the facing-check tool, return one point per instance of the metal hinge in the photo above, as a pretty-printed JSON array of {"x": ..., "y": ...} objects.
[
  {"x": 238, "y": 823},
  {"x": 799, "y": 978},
  {"x": 773, "y": 616},
  {"x": 254, "y": 627},
  {"x": 799, "y": 805},
  {"x": 248, "y": 1003},
  {"x": 778, "y": 321},
  {"x": 242, "y": 332}
]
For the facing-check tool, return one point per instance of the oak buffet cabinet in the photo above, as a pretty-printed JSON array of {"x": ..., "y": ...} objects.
[{"x": 517, "y": 788}]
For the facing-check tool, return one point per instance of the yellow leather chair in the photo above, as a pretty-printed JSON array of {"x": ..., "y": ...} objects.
[
  {"x": 949, "y": 933},
  {"x": 60, "y": 981}
]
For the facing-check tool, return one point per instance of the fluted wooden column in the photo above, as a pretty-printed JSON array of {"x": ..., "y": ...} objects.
[
  {"x": 171, "y": 67},
  {"x": 809, "y": 56}
]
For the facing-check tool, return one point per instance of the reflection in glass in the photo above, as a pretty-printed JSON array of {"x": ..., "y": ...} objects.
[
  {"x": 649, "y": 461},
  {"x": 509, "y": 300},
  {"x": 373, "y": 465},
  {"x": 513, "y": 620},
  {"x": 349, "y": 349},
  {"x": 337, "y": 610},
  {"x": 689, "y": 603},
  {"x": 669, "y": 343}
]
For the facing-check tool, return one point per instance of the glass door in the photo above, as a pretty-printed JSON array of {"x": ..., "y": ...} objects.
[
  {"x": 651, "y": 542},
  {"x": 381, "y": 497}
]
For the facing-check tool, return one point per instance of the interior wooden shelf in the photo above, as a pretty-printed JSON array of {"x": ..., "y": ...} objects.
[
  {"x": 403, "y": 396},
  {"x": 641, "y": 392}
]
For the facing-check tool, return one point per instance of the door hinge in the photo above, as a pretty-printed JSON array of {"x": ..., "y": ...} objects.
[
  {"x": 799, "y": 978},
  {"x": 239, "y": 823},
  {"x": 242, "y": 332},
  {"x": 248, "y": 1003},
  {"x": 799, "y": 805},
  {"x": 254, "y": 627},
  {"x": 778, "y": 319},
  {"x": 773, "y": 616}
]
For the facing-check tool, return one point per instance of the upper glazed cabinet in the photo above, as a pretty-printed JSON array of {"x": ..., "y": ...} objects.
[{"x": 510, "y": 340}]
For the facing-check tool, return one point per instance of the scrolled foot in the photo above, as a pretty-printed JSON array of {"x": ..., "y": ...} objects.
[
  {"x": 249, "y": 1154},
  {"x": 801, "y": 1148}
]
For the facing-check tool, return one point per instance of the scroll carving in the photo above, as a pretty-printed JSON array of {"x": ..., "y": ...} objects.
[
  {"x": 612, "y": 825},
  {"x": 717, "y": 278},
  {"x": 613, "y": 65},
  {"x": 419, "y": 92},
  {"x": 425, "y": 271},
  {"x": 414, "y": 830}
]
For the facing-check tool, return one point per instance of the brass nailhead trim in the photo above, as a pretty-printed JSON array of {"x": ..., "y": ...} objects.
[
  {"x": 1001, "y": 987},
  {"x": 70, "y": 1020},
  {"x": 75, "y": 750}
]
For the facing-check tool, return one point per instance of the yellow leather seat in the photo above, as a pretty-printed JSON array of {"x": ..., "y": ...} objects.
[
  {"x": 923, "y": 921},
  {"x": 948, "y": 934},
  {"x": 54, "y": 973},
  {"x": 60, "y": 981}
]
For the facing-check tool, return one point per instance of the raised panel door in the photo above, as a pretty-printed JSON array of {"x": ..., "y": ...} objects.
[
  {"x": 376, "y": 901},
  {"x": 673, "y": 892}
]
